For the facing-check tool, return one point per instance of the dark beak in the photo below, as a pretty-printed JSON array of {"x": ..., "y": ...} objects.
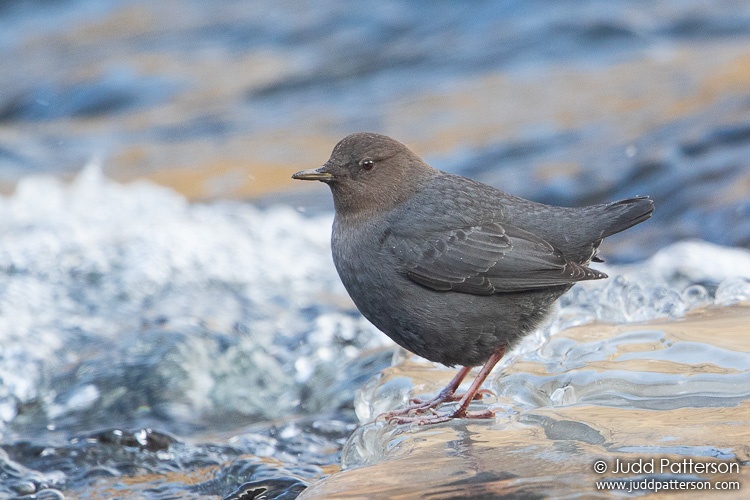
[{"x": 314, "y": 174}]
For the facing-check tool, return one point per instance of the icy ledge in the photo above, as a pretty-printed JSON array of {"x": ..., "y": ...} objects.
[
  {"x": 675, "y": 390},
  {"x": 654, "y": 362}
]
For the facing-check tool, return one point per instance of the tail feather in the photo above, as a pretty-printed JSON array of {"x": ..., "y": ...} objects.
[{"x": 627, "y": 213}]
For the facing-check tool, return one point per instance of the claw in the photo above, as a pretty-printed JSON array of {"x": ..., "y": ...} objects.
[{"x": 481, "y": 393}]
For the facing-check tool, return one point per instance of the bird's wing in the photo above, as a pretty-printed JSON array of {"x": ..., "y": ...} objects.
[{"x": 485, "y": 259}]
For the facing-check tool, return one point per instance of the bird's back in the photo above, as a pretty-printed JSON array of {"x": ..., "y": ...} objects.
[{"x": 575, "y": 231}]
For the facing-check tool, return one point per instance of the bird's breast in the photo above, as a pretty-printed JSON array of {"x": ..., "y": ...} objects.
[{"x": 367, "y": 267}]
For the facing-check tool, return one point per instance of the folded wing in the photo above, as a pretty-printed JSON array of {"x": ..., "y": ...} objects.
[{"x": 486, "y": 259}]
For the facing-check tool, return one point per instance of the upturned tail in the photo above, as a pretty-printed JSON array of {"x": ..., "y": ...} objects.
[{"x": 627, "y": 213}]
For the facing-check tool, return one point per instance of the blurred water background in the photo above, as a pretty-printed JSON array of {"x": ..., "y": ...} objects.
[{"x": 170, "y": 321}]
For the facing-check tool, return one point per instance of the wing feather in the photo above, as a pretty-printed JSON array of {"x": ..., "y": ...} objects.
[{"x": 485, "y": 259}]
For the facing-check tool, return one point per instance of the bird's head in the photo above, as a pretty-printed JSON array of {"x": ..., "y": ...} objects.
[{"x": 369, "y": 172}]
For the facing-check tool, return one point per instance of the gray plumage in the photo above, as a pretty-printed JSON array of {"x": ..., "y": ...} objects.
[{"x": 449, "y": 268}]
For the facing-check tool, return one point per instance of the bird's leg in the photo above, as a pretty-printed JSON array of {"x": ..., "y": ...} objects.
[
  {"x": 474, "y": 389},
  {"x": 463, "y": 404},
  {"x": 447, "y": 394}
]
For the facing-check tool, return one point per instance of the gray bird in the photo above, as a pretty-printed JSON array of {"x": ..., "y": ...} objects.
[{"x": 451, "y": 269}]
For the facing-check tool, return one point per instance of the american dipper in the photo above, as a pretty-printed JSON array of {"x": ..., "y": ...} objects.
[{"x": 451, "y": 269}]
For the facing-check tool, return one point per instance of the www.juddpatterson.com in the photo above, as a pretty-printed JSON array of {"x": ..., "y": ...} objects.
[
  {"x": 664, "y": 466},
  {"x": 655, "y": 485}
]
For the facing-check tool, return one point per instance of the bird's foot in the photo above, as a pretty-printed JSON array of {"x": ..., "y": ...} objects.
[
  {"x": 420, "y": 406},
  {"x": 415, "y": 414},
  {"x": 417, "y": 407},
  {"x": 437, "y": 418}
]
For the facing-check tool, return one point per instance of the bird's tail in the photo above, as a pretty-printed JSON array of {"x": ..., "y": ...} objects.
[{"x": 627, "y": 213}]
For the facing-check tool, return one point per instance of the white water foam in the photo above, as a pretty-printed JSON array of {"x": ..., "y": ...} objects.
[{"x": 125, "y": 300}]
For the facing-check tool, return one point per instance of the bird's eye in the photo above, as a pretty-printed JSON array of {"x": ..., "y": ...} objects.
[{"x": 367, "y": 164}]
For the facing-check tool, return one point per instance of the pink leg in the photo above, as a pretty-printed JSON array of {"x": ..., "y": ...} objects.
[
  {"x": 449, "y": 391},
  {"x": 448, "y": 394},
  {"x": 419, "y": 406},
  {"x": 463, "y": 405}
]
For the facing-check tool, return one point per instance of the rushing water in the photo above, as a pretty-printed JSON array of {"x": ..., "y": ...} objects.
[
  {"x": 157, "y": 347},
  {"x": 126, "y": 307}
]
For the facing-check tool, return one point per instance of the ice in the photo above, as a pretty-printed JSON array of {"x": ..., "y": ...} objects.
[
  {"x": 733, "y": 290},
  {"x": 378, "y": 396},
  {"x": 369, "y": 445},
  {"x": 675, "y": 280}
]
